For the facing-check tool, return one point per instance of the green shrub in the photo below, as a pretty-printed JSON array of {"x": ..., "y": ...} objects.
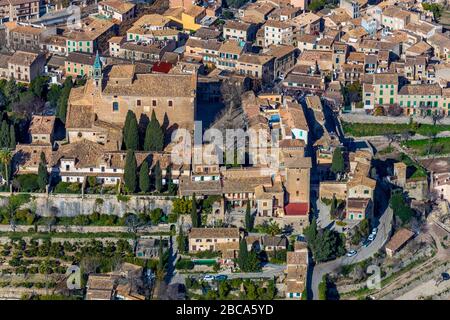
[
  {"x": 27, "y": 182},
  {"x": 184, "y": 264},
  {"x": 67, "y": 187}
]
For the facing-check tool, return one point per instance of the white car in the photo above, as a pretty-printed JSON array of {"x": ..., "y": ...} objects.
[
  {"x": 352, "y": 253},
  {"x": 374, "y": 231},
  {"x": 371, "y": 237},
  {"x": 281, "y": 77},
  {"x": 208, "y": 277}
]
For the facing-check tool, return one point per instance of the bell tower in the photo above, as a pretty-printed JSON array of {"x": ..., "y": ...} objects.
[{"x": 98, "y": 75}]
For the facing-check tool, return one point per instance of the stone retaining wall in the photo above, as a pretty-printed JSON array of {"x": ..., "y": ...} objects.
[{"x": 69, "y": 205}]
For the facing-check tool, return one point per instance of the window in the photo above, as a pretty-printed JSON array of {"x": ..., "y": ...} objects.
[
  {"x": 115, "y": 106},
  {"x": 153, "y": 103},
  {"x": 170, "y": 103},
  {"x": 138, "y": 102}
]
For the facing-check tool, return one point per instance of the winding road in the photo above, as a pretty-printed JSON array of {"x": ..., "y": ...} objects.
[{"x": 384, "y": 228}]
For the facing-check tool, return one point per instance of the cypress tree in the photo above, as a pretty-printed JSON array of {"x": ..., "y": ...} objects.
[
  {"x": 181, "y": 241},
  {"x": 61, "y": 111},
  {"x": 42, "y": 173},
  {"x": 130, "y": 174},
  {"x": 126, "y": 125},
  {"x": 154, "y": 135},
  {"x": 131, "y": 134},
  {"x": 194, "y": 213},
  {"x": 158, "y": 176},
  {"x": 12, "y": 137},
  {"x": 144, "y": 178},
  {"x": 4, "y": 135},
  {"x": 243, "y": 255},
  {"x": 333, "y": 206},
  {"x": 337, "y": 165},
  {"x": 248, "y": 218}
]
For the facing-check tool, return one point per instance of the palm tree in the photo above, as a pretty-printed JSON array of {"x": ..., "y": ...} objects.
[{"x": 5, "y": 159}]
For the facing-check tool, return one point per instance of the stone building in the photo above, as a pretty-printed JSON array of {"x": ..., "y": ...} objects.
[{"x": 114, "y": 90}]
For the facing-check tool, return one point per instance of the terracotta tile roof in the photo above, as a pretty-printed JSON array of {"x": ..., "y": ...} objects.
[
  {"x": 254, "y": 58},
  {"x": 419, "y": 48},
  {"x": 237, "y": 25},
  {"x": 25, "y": 29},
  {"x": 187, "y": 187},
  {"x": 307, "y": 38},
  {"x": 362, "y": 180},
  {"x": 396, "y": 12},
  {"x": 231, "y": 46},
  {"x": 82, "y": 58},
  {"x": 293, "y": 116},
  {"x": 23, "y": 58},
  {"x": 155, "y": 85},
  {"x": 29, "y": 155},
  {"x": 85, "y": 153},
  {"x": 244, "y": 184},
  {"x": 211, "y": 44},
  {"x": 277, "y": 24},
  {"x": 194, "y": 11},
  {"x": 279, "y": 51},
  {"x": 154, "y": 20},
  {"x": 297, "y": 258},
  {"x": 122, "y": 71},
  {"x": 4, "y": 58},
  {"x": 92, "y": 29},
  {"x": 306, "y": 18},
  {"x": 80, "y": 116},
  {"x": 399, "y": 239},
  {"x": 421, "y": 89},
  {"x": 42, "y": 124},
  {"x": 201, "y": 233},
  {"x": 119, "y": 6},
  {"x": 385, "y": 78},
  {"x": 358, "y": 204}
]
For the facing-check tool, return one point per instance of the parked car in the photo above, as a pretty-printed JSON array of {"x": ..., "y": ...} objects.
[
  {"x": 375, "y": 231},
  {"x": 366, "y": 243},
  {"x": 371, "y": 237},
  {"x": 208, "y": 277},
  {"x": 221, "y": 277},
  {"x": 352, "y": 253}
]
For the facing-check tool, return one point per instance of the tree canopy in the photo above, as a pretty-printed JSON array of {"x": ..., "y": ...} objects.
[
  {"x": 144, "y": 177},
  {"x": 42, "y": 172},
  {"x": 130, "y": 131},
  {"x": 130, "y": 173},
  {"x": 154, "y": 135},
  {"x": 337, "y": 165},
  {"x": 325, "y": 244}
]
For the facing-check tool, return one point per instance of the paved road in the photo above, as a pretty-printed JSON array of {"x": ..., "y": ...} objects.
[
  {"x": 384, "y": 228},
  {"x": 269, "y": 271}
]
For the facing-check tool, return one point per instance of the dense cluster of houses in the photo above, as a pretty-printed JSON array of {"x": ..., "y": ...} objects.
[{"x": 170, "y": 63}]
